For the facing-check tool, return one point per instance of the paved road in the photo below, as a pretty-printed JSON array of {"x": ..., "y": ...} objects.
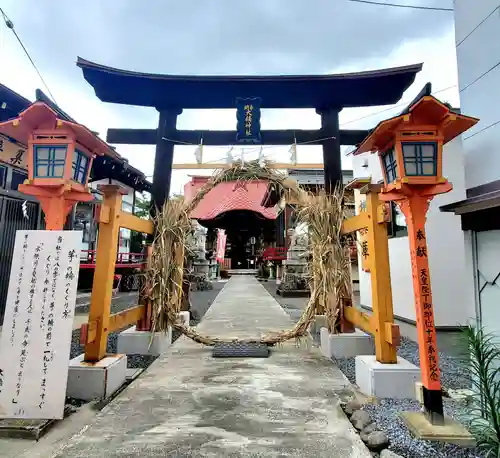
[{"x": 190, "y": 405}]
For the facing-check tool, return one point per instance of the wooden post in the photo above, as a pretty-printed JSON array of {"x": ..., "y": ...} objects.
[
  {"x": 415, "y": 208},
  {"x": 162, "y": 173},
  {"x": 378, "y": 250},
  {"x": 331, "y": 147},
  {"x": 107, "y": 247}
]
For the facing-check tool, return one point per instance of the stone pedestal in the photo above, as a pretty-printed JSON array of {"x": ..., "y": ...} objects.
[
  {"x": 201, "y": 268},
  {"x": 347, "y": 345},
  {"x": 133, "y": 342},
  {"x": 386, "y": 380},
  {"x": 294, "y": 276},
  {"x": 88, "y": 381}
]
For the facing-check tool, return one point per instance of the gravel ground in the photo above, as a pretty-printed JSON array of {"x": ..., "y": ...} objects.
[
  {"x": 453, "y": 373},
  {"x": 386, "y": 413},
  {"x": 386, "y": 416}
]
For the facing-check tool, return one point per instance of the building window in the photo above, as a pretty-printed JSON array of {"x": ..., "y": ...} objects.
[
  {"x": 397, "y": 226},
  {"x": 50, "y": 161},
  {"x": 3, "y": 176},
  {"x": 80, "y": 166},
  {"x": 390, "y": 165},
  {"x": 420, "y": 159},
  {"x": 17, "y": 179}
]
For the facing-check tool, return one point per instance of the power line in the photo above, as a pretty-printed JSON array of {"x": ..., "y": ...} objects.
[
  {"x": 482, "y": 130},
  {"x": 10, "y": 25},
  {"x": 398, "y": 5},
  {"x": 399, "y": 105},
  {"x": 480, "y": 77},
  {"x": 477, "y": 26}
]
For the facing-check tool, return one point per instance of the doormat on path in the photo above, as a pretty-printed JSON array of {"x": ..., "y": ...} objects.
[{"x": 241, "y": 350}]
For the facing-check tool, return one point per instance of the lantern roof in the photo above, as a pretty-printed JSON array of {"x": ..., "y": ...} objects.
[
  {"x": 40, "y": 116},
  {"x": 426, "y": 110}
]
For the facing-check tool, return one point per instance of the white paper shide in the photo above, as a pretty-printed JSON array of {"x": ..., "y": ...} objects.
[{"x": 36, "y": 336}]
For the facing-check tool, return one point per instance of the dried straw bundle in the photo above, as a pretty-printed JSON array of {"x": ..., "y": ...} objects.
[
  {"x": 165, "y": 268},
  {"x": 329, "y": 265}
]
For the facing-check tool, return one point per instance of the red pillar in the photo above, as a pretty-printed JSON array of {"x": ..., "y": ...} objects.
[{"x": 415, "y": 208}]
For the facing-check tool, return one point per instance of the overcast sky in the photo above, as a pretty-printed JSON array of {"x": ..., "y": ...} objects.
[{"x": 220, "y": 37}]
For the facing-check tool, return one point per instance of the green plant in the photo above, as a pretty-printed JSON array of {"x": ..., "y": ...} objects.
[
  {"x": 142, "y": 206},
  {"x": 484, "y": 411}
]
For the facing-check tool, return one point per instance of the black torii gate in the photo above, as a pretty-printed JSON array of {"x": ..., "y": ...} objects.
[{"x": 170, "y": 94}]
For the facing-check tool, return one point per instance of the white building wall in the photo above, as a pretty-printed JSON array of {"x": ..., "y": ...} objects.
[
  {"x": 477, "y": 33},
  {"x": 451, "y": 287}
]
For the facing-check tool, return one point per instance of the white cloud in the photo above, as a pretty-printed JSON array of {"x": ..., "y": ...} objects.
[{"x": 77, "y": 98}]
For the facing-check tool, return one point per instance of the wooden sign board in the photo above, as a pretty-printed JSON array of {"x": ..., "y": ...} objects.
[
  {"x": 12, "y": 153},
  {"x": 36, "y": 337},
  {"x": 363, "y": 238}
]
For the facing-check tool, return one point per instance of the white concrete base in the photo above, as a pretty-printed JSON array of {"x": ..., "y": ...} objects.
[
  {"x": 89, "y": 381},
  {"x": 346, "y": 345},
  {"x": 133, "y": 342},
  {"x": 386, "y": 380},
  {"x": 318, "y": 323}
]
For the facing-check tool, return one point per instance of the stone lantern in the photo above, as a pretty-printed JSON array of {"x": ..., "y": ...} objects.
[
  {"x": 60, "y": 155},
  {"x": 410, "y": 147}
]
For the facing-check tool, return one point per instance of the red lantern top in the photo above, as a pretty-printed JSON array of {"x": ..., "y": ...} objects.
[{"x": 410, "y": 145}]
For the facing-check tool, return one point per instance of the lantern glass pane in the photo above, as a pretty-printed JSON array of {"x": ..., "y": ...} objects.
[
  {"x": 411, "y": 168},
  {"x": 420, "y": 159},
  {"x": 409, "y": 151},
  {"x": 428, "y": 168},
  {"x": 58, "y": 171},
  {"x": 60, "y": 154},
  {"x": 79, "y": 167},
  {"x": 390, "y": 166},
  {"x": 428, "y": 150},
  {"x": 49, "y": 161},
  {"x": 43, "y": 153}
]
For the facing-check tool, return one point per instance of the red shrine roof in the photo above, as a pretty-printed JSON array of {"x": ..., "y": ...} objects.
[{"x": 228, "y": 197}]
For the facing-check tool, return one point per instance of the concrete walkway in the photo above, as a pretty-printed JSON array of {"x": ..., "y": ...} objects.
[{"x": 188, "y": 404}]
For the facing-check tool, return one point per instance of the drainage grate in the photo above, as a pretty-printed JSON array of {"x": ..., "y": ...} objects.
[{"x": 240, "y": 350}]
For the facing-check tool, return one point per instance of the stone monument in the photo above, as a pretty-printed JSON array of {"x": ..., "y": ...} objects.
[
  {"x": 200, "y": 264},
  {"x": 294, "y": 279}
]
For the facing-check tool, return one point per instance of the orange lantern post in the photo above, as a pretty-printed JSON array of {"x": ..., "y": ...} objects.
[
  {"x": 60, "y": 155},
  {"x": 410, "y": 148}
]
